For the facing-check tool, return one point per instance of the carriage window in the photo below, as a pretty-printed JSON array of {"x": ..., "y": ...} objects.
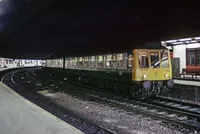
[
  {"x": 143, "y": 59},
  {"x": 164, "y": 60},
  {"x": 154, "y": 57}
]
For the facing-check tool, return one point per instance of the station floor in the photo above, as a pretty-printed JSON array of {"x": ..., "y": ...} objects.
[
  {"x": 20, "y": 116},
  {"x": 187, "y": 82}
]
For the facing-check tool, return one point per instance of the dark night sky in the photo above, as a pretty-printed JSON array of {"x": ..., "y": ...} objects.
[{"x": 36, "y": 28}]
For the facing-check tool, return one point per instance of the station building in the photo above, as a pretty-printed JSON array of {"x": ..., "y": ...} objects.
[{"x": 185, "y": 53}]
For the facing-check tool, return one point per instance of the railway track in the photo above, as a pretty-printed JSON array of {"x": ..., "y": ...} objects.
[
  {"x": 166, "y": 110},
  {"x": 19, "y": 78}
]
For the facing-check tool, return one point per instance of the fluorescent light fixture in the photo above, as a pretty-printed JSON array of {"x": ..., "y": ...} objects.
[
  {"x": 187, "y": 42},
  {"x": 193, "y": 41},
  {"x": 197, "y": 38},
  {"x": 171, "y": 41},
  {"x": 169, "y": 47},
  {"x": 194, "y": 45},
  {"x": 177, "y": 43},
  {"x": 185, "y": 39}
]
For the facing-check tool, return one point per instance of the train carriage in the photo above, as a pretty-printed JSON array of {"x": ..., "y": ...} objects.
[{"x": 138, "y": 73}]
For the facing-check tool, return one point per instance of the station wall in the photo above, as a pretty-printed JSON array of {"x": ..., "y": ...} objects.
[{"x": 179, "y": 51}]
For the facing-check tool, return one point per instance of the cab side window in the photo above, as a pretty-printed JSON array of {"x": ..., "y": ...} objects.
[{"x": 143, "y": 59}]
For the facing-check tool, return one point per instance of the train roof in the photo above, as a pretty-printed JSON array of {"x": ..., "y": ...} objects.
[{"x": 149, "y": 45}]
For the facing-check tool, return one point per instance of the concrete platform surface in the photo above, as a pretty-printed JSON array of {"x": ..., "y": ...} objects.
[
  {"x": 20, "y": 116},
  {"x": 187, "y": 82}
]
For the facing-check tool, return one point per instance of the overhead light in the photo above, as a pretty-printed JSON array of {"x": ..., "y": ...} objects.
[
  {"x": 169, "y": 47},
  {"x": 193, "y": 41},
  {"x": 187, "y": 42},
  {"x": 162, "y": 42},
  {"x": 177, "y": 43},
  {"x": 197, "y": 38},
  {"x": 185, "y": 39},
  {"x": 171, "y": 41}
]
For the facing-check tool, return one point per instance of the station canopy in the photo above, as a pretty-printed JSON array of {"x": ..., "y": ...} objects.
[{"x": 185, "y": 41}]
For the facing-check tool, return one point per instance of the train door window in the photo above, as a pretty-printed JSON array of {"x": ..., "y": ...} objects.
[
  {"x": 84, "y": 61},
  {"x": 119, "y": 60},
  {"x": 80, "y": 62},
  {"x": 191, "y": 57},
  {"x": 87, "y": 62},
  {"x": 154, "y": 59},
  {"x": 104, "y": 61},
  {"x": 72, "y": 65},
  {"x": 76, "y": 63},
  {"x": 100, "y": 62},
  {"x": 10, "y": 62},
  {"x": 164, "y": 59},
  {"x": 92, "y": 62},
  {"x": 108, "y": 60},
  {"x": 114, "y": 60},
  {"x": 124, "y": 61},
  {"x": 66, "y": 62},
  {"x": 130, "y": 60},
  {"x": 70, "y": 62},
  {"x": 143, "y": 59},
  {"x": 198, "y": 56}
]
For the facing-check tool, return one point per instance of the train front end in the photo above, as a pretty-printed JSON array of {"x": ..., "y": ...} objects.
[{"x": 153, "y": 70}]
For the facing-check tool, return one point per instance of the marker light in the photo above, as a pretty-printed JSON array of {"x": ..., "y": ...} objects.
[
  {"x": 144, "y": 76},
  {"x": 166, "y": 75}
]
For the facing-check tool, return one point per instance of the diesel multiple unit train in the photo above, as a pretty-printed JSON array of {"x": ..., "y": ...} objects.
[{"x": 136, "y": 73}]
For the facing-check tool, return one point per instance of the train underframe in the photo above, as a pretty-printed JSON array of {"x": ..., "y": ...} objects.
[{"x": 119, "y": 83}]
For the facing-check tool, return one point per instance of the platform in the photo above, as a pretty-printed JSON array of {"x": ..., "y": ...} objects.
[
  {"x": 20, "y": 116},
  {"x": 187, "y": 82}
]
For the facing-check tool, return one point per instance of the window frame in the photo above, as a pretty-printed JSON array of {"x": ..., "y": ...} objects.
[{"x": 196, "y": 50}]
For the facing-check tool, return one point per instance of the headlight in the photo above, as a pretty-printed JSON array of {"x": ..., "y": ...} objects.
[
  {"x": 144, "y": 76},
  {"x": 166, "y": 75}
]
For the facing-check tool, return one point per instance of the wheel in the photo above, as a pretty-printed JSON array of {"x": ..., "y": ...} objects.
[
  {"x": 100, "y": 83},
  {"x": 116, "y": 88},
  {"x": 132, "y": 93}
]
